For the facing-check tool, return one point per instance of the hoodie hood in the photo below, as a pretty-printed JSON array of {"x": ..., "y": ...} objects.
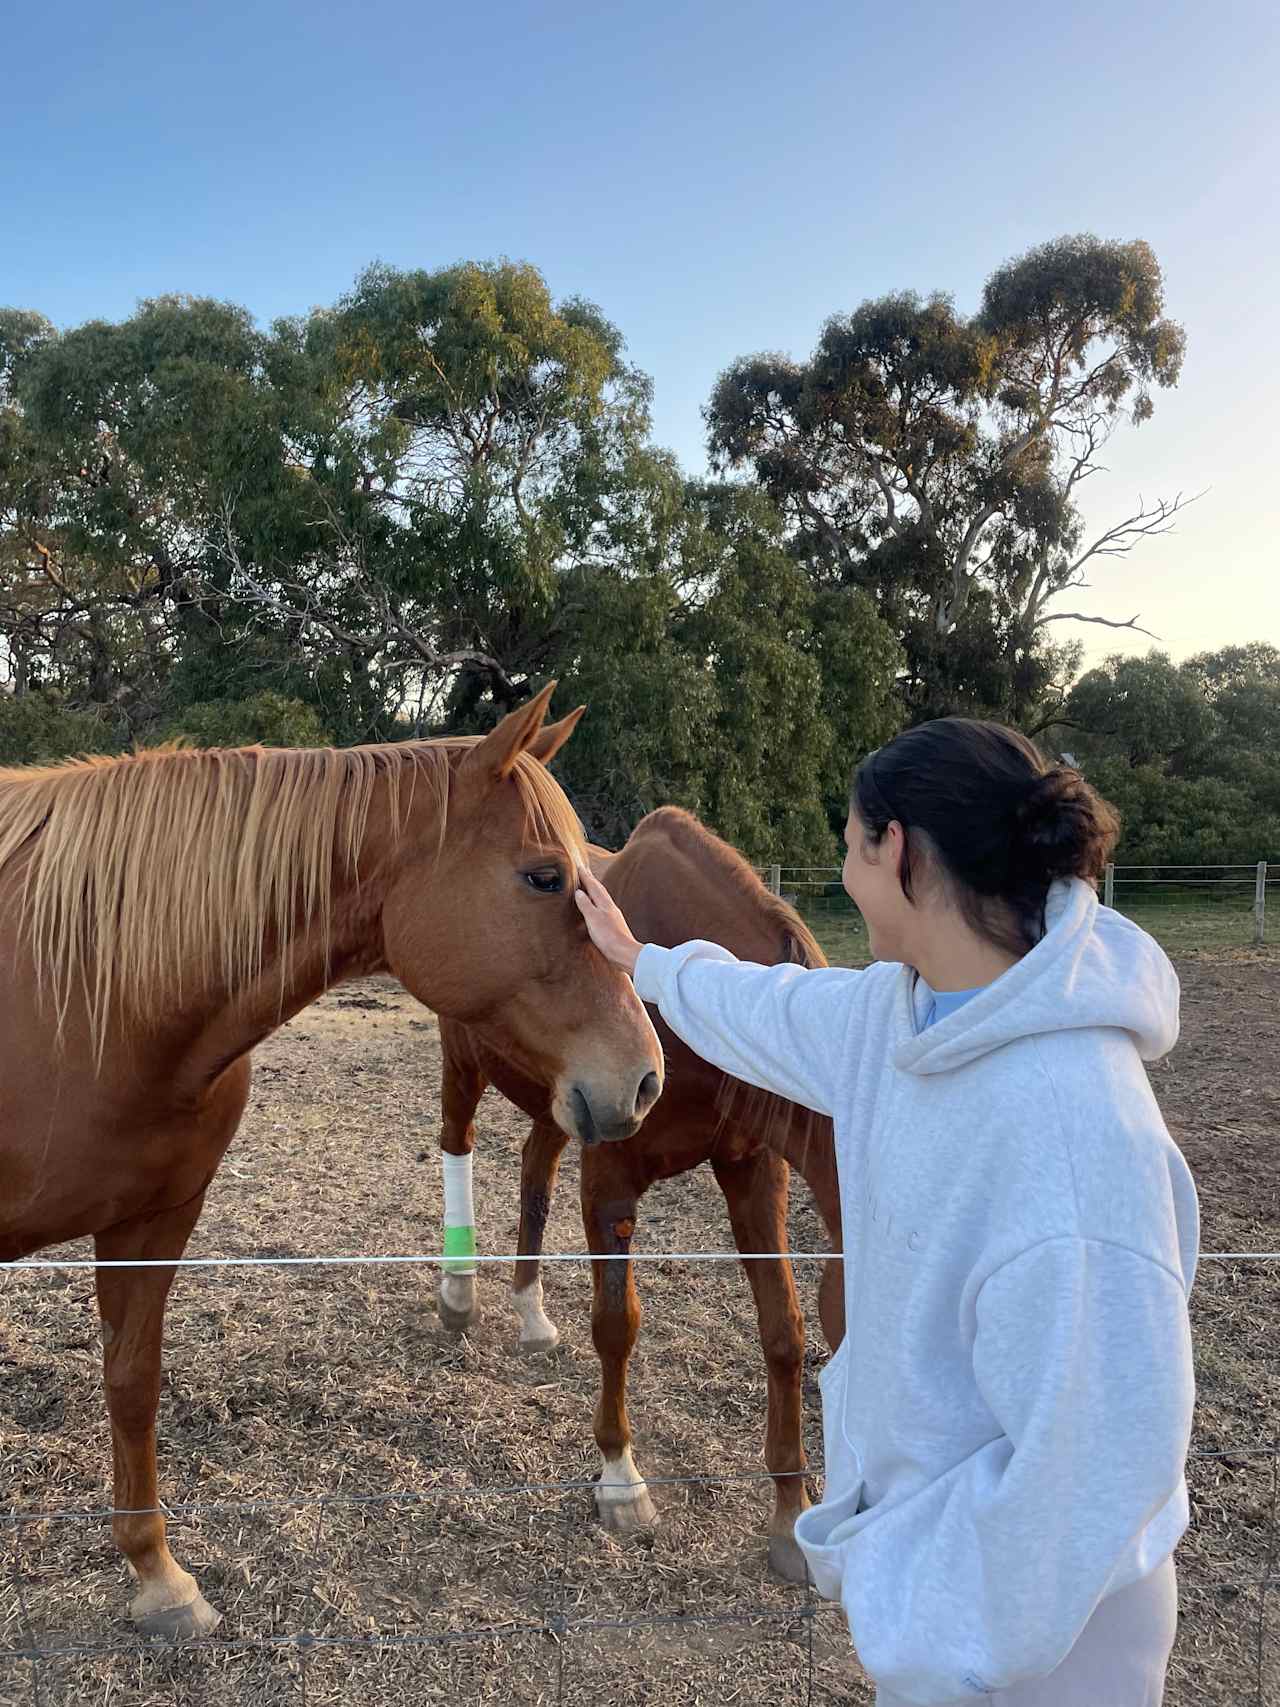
[{"x": 1092, "y": 968}]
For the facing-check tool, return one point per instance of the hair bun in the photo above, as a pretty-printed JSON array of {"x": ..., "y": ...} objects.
[{"x": 1062, "y": 827}]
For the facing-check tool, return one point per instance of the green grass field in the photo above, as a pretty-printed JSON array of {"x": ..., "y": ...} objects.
[
  {"x": 1190, "y": 922},
  {"x": 1187, "y": 924},
  {"x": 842, "y": 934}
]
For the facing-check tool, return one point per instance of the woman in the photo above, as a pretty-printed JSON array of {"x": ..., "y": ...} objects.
[{"x": 1007, "y": 1419}]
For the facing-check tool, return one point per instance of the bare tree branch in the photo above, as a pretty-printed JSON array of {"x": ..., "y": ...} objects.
[
  {"x": 1145, "y": 523},
  {"x": 1106, "y": 621}
]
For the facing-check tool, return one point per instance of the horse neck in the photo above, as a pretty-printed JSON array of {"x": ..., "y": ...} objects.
[
  {"x": 671, "y": 889},
  {"x": 341, "y": 939},
  {"x": 670, "y": 895},
  {"x": 805, "y": 1140}
]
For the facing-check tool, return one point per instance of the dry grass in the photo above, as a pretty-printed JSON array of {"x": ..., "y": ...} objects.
[{"x": 283, "y": 1385}]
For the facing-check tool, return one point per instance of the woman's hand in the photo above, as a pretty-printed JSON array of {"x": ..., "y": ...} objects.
[{"x": 605, "y": 922}]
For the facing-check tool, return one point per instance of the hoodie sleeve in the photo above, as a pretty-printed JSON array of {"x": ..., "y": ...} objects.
[
  {"x": 782, "y": 1028},
  {"x": 986, "y": 1577}
]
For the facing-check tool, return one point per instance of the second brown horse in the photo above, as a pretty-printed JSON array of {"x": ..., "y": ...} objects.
[{"x": 674, "y": 881}]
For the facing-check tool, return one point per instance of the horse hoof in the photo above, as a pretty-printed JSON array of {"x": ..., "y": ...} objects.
[
  {"x": 456, "y": 1302},
  {"x": 627, "y": 1517},
  {"x": 786, "y": 1560},
  {"x": 542, "y": 1345},
  {"x": 180, "y": 1623},
  {"x": 456, "y": 1321}
]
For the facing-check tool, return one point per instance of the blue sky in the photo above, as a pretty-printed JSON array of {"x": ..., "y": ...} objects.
[{"x": 718, "y": 177}]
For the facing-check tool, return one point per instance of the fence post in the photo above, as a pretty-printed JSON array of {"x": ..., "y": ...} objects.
[
  {"x": 1260, "y": 903},
  {"x": 1109, "y": 886},
  {"x": 775, "y": 879}
]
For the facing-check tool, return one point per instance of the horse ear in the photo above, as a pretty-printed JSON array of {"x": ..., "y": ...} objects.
[
  {"x": 496, "y": 755},
  {"x": 552, "y": 736}
]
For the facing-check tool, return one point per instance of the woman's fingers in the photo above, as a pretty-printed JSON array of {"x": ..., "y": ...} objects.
[
  {"x": 605, "y": 923},
  {"x": 598, "y": 897},
  {"x": 594, "y": 888},
  {"x": 601, "y": 916}
]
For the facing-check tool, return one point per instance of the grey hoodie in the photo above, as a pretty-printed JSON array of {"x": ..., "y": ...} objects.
[{"x": 1007, "y": 1420}]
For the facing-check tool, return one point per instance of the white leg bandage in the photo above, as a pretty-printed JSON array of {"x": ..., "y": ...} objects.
[{"x": 459, "y": 1214}]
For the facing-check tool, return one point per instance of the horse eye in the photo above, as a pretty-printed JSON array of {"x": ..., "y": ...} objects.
[{"x": 546, "y": 882}]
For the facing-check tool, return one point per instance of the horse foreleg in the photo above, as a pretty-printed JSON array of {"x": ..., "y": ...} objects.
[
  {"x": 755, "y": 1191},
  {"x": 131, "y": 1302},
  {"x": 539, "y": 1164},
  {"x": 831, "y": 1302},
  {"x": 609, "y": 1216},
  {"x": 461, "y": 1087}
]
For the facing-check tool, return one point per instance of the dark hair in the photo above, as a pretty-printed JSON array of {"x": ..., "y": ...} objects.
[{"x": 1000, "y": 820}]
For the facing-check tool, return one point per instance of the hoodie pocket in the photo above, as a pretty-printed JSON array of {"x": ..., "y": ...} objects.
[
  {"x": 819, "y": 1530},
  {"x": 839, "y": 1461},
  {"x": 823, "y": 1533}
]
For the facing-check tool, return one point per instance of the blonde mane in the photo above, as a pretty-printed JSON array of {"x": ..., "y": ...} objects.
[{"x": 161, "y": 870}]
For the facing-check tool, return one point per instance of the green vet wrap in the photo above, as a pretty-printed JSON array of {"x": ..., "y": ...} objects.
[{"x": 459, "y": 1248}]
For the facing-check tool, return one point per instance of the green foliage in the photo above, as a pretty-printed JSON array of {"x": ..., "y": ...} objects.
[
  {"x": 36, "y": 730},
  {"x": 1144, "y": 711},
  {"x": 499, "y": 435},
  {"x": 1185, "y": 821},
  {"x": 401, "y": 514},
  {"x": 726, "y": 684},
  {"x": 1187, "y": 752},
  {"x": 933, "y": 460},
  {"x": 1067, "y": 297},
  {"x": 265, "y": 719}
]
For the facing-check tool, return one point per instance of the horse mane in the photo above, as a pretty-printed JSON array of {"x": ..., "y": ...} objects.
[
  {"x": 798, "y": 944},
  {"x": 738, "y": 1103},
  {"x": 172, "y": 867}
]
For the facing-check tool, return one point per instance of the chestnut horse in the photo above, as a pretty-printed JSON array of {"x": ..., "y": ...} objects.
[
  {"x": 161, "y": 914},
  {"x": 674, "y": 880}
]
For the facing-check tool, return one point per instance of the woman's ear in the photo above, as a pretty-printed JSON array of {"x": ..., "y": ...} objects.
[{"x": 894, "y": 844}]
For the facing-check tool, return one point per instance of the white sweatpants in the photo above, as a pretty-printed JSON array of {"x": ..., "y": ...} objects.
[{"x": 1119, "y": 1659}]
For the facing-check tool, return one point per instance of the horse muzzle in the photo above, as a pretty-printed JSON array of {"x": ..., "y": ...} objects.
[{"x": 594, "y": 1117}]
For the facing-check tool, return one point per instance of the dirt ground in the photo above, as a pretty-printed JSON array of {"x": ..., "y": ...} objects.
[{"x": 286, "y": 1386}]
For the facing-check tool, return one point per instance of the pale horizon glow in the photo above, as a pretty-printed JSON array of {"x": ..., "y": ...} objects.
[{"x": 718, "y": 179}]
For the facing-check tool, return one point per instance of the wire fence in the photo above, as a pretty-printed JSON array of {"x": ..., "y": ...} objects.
[
  {"x": 556, "y": 1623},
  {"x": 1186, "y": 907},
  {"x": 28, "y": 1668}
]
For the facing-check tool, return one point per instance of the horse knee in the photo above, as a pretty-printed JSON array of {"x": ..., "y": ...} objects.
[
  {"x": 615, "y": 1327},
  {"x": 783, "y": 1344},
  {"x": 132, "y": 1401}
]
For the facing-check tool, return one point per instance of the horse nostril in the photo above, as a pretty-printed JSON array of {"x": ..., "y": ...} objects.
[
  {"x": 648, "y": 1094},
  {"x": 587, "y": 1131}
]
